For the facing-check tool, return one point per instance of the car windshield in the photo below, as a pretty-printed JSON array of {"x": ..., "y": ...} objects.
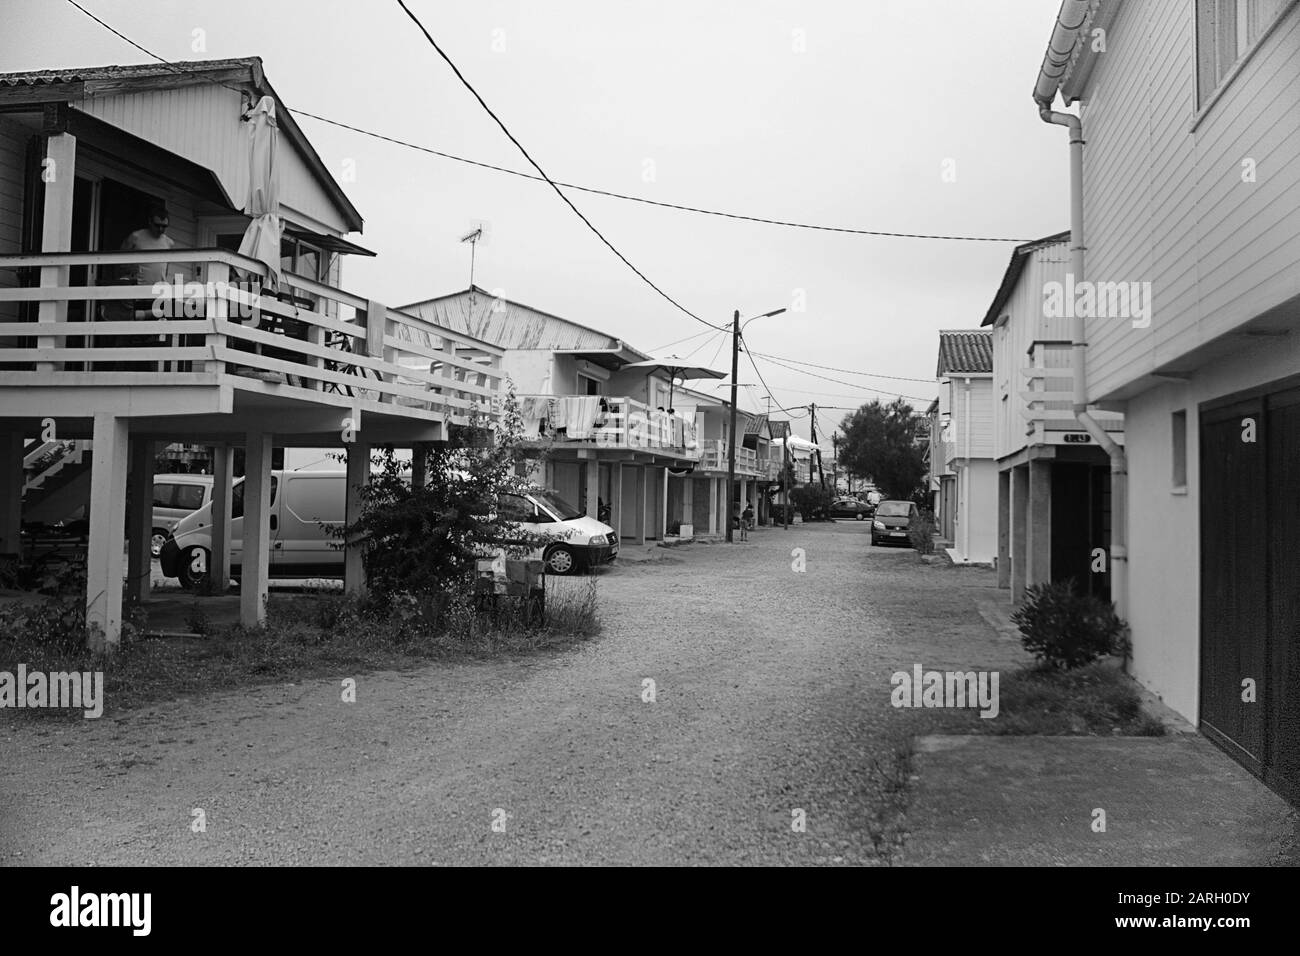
[
  {"x": 893, "y": 509},
  {"x": 556, "y": 505}
]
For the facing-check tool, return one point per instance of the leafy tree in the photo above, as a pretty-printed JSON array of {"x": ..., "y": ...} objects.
[
  {"x": 427, "y": 540},
  {"x": 880, "y": 443}
]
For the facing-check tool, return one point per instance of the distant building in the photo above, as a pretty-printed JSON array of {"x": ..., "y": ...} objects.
[{"x": 968, "y": 481}]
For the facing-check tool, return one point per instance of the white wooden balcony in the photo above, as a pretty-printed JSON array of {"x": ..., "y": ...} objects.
[
  {"x": 1047, "y": 401},
  {"x": 713, "y": 457},
  {"x": 617, "y": 423},
  {"x": 223, "y": 354}
]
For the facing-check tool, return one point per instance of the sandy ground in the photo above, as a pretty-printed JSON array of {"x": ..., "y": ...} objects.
[{"x": 771, "y": 695}]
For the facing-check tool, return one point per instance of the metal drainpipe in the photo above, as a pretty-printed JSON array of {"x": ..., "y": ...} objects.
[
  {"x": 1118, "y": 460},
  {"x": 963, "y": 508}
]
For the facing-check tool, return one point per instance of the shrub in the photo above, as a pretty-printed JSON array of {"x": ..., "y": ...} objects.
[
  {"x": 51, "y": 624},
  {"x": 920, "y": 531},
  {"x": 1064, "y": 629},
  {"x": 812, "y": 501}
]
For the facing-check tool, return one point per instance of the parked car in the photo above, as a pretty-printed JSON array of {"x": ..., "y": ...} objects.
[
  {"x": 580, "y": 541},
  {"x": 850, "y": 508},
  {"x": 891, "y": 521},
  {"x": 174, "y": 497},
  {"x": 306, "y": 506}
]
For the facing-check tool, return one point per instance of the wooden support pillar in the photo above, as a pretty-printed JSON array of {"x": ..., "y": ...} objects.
[
  {"x": 11, "y": 492},
  {"x": 419, "y": 464},
  {"x": 616, "y": 497},
  {"x": 661, "y": 518},
  {"x": 223, "y": 483},
  {"x": 1004, "y": 529},
  {"x": 592, "y": 466},
  {"x": 107, "y": 529},
  {"x": 139, "y": 535},
  {"x": 354, "y": 574},
  {"x": 1038, "y": 566},
  {"x": 713, "y": 506},
  {"x": 1019, "y": 530},
  {"x": 640, "y": 503},
  {"x": 255, "y": 560},
  {"x": 58, "y": 171},
  {"x": 688, "y": 501}
]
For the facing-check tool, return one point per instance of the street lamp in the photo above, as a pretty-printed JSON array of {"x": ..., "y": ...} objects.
[{"x": 736, "y": 330}]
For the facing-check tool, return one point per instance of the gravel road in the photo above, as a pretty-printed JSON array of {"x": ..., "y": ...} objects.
[{"x": 771, "y": 695}]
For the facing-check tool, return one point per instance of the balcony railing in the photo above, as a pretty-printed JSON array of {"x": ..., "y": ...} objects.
[
  {"x": 606, "y": 421},
  {"x": 309, "y": 339},
  {"x": 1048, "y": 402},
  {"x": 714, "y": 458}
]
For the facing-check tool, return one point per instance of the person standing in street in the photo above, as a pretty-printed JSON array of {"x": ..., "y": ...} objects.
[{"x": 746, "y": 521}]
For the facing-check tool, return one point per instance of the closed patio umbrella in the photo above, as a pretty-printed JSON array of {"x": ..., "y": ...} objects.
[{"x": 262, "y": 237}]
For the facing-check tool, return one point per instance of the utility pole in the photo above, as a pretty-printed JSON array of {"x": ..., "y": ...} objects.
[
  {"x": 785, "y": 476},
  {"x": 731, "y": 445},
  {"x": 812, "y": 419}
]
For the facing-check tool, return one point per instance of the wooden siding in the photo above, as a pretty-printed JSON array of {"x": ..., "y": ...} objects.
[
  {"x": 1011, "y": 340},
  {"x": 1166, "y": 204},
  {"x": 981, "y": 418},
  {"x": 13, "y": 161},
  {"x": 201, "y": 122}
]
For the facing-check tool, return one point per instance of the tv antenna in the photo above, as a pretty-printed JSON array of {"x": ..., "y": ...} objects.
[{"x": 472, "y": 239}]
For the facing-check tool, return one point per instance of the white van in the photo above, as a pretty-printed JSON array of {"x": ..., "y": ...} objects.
[
  {"x": 300, "y": 546},
  {"x": 174, "y": 497},
  {"x": 307, "y": 505}
]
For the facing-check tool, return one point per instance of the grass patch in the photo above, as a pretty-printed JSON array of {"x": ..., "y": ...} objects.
[
  {"x": 305, "y": 636},
  {"x": 1096, "y": 700}
]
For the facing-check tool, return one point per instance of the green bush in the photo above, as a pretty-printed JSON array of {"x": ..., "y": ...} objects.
[
  {"x": 1064, "y": 629},
  {"x": 920, "y": 531},
  {"x": 52, "y": 624}
]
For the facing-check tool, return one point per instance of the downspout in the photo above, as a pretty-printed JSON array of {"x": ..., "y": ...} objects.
[
  {"x": 963, "y": 505},
  {"x": 1069, "y": 21}
]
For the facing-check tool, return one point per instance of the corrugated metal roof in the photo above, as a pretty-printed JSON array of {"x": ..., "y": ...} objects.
[
  {"x": 511, "y": 325},
  {"x": 965, "y": 351},
  {"x": 83, "y": 74}
]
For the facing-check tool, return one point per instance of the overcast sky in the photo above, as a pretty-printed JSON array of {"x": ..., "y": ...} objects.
[{"x": 837, "y": 113}]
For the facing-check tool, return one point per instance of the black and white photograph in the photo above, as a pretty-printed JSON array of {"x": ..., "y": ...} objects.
[{"x": 702, "y": 433}]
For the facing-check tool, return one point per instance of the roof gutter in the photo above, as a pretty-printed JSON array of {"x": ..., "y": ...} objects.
[{"x": 1071, "y": 19}]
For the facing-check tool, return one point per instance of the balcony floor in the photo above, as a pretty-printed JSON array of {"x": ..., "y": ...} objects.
[{"x": 206, "y": 406}]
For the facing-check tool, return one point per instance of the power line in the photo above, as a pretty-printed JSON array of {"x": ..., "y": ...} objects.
[
  {"x": 789, "y": 224},
  {"x": 837, "y": 381},
  {"x": 754, "y": 365},
  {"x": 532, "y": 162},
  {"x": 828, "y": 368},
  {"x": 556, "y": 183},
  {"x": 702, "y": 345},
  {"x": 679, "y": 341}
]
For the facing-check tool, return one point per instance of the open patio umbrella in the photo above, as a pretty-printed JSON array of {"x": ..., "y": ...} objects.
[
  {"x": 262, "y": 237},
  {"x": 676, "y": 368}
]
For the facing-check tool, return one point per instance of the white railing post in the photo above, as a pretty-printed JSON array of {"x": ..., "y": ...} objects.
[
  {"x": 217, "y": 307},
  {"x": 58, "y": 172}
]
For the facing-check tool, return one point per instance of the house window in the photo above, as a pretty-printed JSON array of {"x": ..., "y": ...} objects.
[
  {"x": 1178, "y": 445},
  {"x": 1226, "y": 30},
  {"x": 588, "y": 385}
]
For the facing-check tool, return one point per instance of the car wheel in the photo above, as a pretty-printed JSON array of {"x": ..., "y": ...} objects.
[
  {"x": 860, "y": 516},
  {"x": 560, "y": 560},
  {"x": 156, "y": 541},
  {"x": 188, "y": 577}
]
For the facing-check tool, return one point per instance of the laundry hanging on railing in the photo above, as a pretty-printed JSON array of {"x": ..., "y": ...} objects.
[{"x": 580, "y": 413}]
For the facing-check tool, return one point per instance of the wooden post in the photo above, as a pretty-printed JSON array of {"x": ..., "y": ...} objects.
[
  {"x": 218, "y": 308},
  {"x": 255, "y": 561},
  {"x": 354, "y": 575},
  {"x": 419, "y": 464},
  {"x": 58, "y": 171},
  {"x": 688, "y": 501},
  {"x": 223, "y": 481},
  {"x": 713, "y": 506},
  {"x": 1004, "y": 529},
  {"x": 1038, "y": 566},
  {"x": 640, "y": 503},
  {"x": 107, "y": 529},
  {"x": 1019, "y": 530},
  {"x": 11, "y": 492},
  {"x": 139, "y": 558},
  {"x": 593, "y": 487},
  {"x": 616, "y": 497}
]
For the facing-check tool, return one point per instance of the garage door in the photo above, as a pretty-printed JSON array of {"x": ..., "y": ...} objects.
[{"x": 1250, "y": 583}]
